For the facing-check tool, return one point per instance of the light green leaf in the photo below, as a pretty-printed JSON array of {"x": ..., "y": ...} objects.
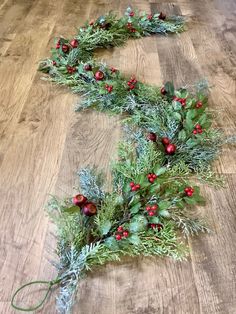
[
  {"x": 105, "y": 227},
  {"x": 72, "y": 209},
  {"x": 134, "y": 239},
  {"x": 164, "y": 213},
  {"x": 182, "y": 135}
]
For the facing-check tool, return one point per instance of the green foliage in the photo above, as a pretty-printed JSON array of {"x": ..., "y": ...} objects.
[{"x": 86, "y": 242}]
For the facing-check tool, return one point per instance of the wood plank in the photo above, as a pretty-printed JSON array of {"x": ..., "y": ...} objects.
[{"x": 43, "y": 143}]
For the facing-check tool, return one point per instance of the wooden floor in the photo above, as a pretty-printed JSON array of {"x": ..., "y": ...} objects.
[{"x": 43, "y": 143}]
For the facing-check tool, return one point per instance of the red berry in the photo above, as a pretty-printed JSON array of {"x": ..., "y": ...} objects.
[
  {"x": 151, "y": 213},
  {"x": 198, "y": 126},
  {"x": 154, "y": 176},
  {"x": 113, "y": 70},
  {"x": 79, "y": 199},
  {"x": 120, "y": 229},
  {"x": 163, "y": 91},
  {"x": 134, "y": 188},
  {"x": 109, "y": 89},
  {"x": 149, "y": 176},
  {"x": 149, "y": 17},
  {"x": 131, "y": 87},
  {"x": 74, "y": 43},
  {"x": 132, "y": 184},
  {"x": 152, "y": 137},
  {"x": 148, "y": 208},
  {"x": 186, "y": 189},
  {"x": 137, "y": 186},
  {"x": 199, "y": 104},
  {"x": 91, "y": 22},
  {"x": 189, "y": 193},
  {"x": 199, "y": 130},
  {"x": 89, "y": 209},
  {"x": 71, "y": 70},
  {"x": 182, "y": 101},
  {"x": 99, "y": 75},
  {"x": 165, "y": 141},
  {"x": 118, "y": 237},
  {"x": 151, "y": 180},
  {"x": 153, "y": 226},
  {"x": 194, "y": 131},
  {"x": 88, "y": 67},
  {"x": 126, "y": 233},
  {"x": 154, "y": 207},
  {"x": 159, "y": 227},
  {"x": 162, "y": 16},
  {"x": 131, "y": 13},
  {"x": 170, "y": 149},
  {"x": 54, "y": 63},
  {"x": 65, "y": 48}
]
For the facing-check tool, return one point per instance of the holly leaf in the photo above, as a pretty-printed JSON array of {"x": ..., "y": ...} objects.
[
  {"x": 177, "y": 105},
  {"x": 169, "y": 87},
  {"x": 154, "y": 220},
  {"x": 138, "y": 223},
  {"x": 105, "y": 227},
  {"x": 135, "y": 208},
  {"x": 163, "y": 205},
  {"x": 164, "y": 213},
  {"x": 182, "y": 135},
  {"x": 111, "y": 243},
  {"x": 134, "y": 239},
  {"x": 160, "y": 171},
  {"x": 177, "y": 116},
  {"x": 190, "y": 200}
]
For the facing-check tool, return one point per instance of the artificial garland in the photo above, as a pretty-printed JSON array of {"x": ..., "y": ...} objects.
[{"x": 169, "y": 140}]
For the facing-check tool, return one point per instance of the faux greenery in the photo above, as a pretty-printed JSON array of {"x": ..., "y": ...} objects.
[{"x": 145, "y": 175}]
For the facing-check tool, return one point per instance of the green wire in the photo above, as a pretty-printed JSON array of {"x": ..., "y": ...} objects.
[{"x": 30, "y": 309}]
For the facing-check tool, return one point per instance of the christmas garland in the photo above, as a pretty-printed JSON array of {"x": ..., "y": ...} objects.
[{"x": 169, "y": 140}]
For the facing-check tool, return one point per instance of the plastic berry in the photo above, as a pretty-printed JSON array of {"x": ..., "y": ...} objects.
[
  {"x": 165, "y": 141},
  {"x": 79, "y": 199}
]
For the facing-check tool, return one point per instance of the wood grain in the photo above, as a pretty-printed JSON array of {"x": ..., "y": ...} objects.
[{"x": 43, "y": 143}]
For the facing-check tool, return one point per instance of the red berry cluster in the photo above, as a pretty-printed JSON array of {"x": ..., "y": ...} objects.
[
  {"x": 152, "y": 137},
  {"x": 189, "y": 191},
  {"x": 198, "y": 104},
  {"x": 170, "y": 149},
  {"x": 74, "y": 43},
  {"x": 152, "y": 209},
  {"x": 156, "y": 226},
  {"x": 151, "y": 177},
  {"x": 134, "y": 187},
  {"x": 113, "y": 70},
  {"x": 131, "y": 28},
  {"x": 71, "y": 70},
  {"x": 131, "y": 14},
  {"x": 109, "y": 88},
  {"x": 121, "y": 233},
  {"x": 181, "y": 100},
  {"x": 88, "y": 208},
  {"x": 131, "y": 83},
  {"x": 149, "y": 17},
  {"x": 198, "y": 129}
]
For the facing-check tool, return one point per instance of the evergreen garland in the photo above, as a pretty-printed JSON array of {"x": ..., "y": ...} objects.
[{"x": 169, "y": 141}]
